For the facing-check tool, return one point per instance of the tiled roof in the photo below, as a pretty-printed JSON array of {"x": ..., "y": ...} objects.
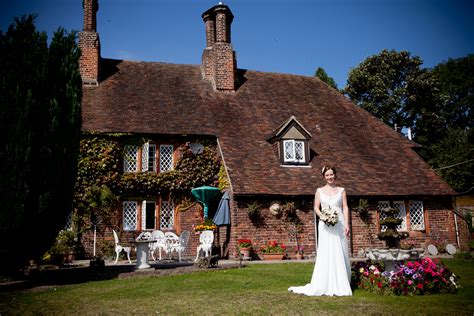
[{"x": 158, "y": 98}]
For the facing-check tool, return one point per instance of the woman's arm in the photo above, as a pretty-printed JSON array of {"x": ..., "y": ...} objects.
[
  {"x": 345, "y": 210},
  {"x": 317, "y": 203}
]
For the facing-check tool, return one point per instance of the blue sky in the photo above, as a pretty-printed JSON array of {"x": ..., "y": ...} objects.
[{"x": 276, "y": 36}]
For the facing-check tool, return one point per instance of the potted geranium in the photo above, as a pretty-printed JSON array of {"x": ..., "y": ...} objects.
[
  {"x": 273, "y": 251},
  {"x": 245, "y": 247}
]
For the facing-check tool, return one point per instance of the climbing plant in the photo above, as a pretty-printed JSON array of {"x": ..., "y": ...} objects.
[{"x": 100, "y": 162}]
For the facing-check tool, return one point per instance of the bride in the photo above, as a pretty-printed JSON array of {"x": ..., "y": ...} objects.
[{"x": 332, "y": 271}]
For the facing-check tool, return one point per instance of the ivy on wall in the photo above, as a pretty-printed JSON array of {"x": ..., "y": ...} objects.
[{"x": 100, "y": 164}]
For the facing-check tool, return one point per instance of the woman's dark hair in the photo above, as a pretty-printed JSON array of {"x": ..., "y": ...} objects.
[{"x": 327, "y": 168}]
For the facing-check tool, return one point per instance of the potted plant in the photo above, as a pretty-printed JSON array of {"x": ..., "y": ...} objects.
[
  {"x": 208, "y": 224},
  {"x": 273, "y": 251},
  {"x": 299, "y": 252},
  {"x": 245, "y": 247}
]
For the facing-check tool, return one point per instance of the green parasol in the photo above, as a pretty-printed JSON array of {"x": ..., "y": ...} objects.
[{"x": 206, "y": 195}]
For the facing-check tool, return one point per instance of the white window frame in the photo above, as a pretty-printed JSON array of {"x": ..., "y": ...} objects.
[
  {"x": 148, "y": 159},
  {"x": 292, "y": 155},
  {"x": 144, "y": 217}
]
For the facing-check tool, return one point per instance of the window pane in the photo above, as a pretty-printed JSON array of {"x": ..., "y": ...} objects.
[
  {"x": 299, "y": 151},
  {"x": 145, "y": 157},
  {"x": 417, "y": 215},
  {"x": 152, "y": 157},
  {"x": 166, "y": 158},
  {"x": 382, "y": 206},
  {"x": 167, "y": 215},
  {"x": 289, "y": 150},
  {"x": 130, "y": 158},
  {"x": 130, "y": 215},
  {"x": 150, "y": 215},
  {"x": 402, "y": 214}
]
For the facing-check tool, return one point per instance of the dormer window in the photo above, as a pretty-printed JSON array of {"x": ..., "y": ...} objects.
[
  {"x": 293, "y": 151},
  {"x": 292, "y": 139}
]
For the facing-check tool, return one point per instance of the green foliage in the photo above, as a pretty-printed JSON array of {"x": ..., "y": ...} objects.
[
  {"x": 40, "y": 96},
  {"x": 392, "y": 86},
  {"x": 456, "y": 79},
  {"x": 100, "y": 175},
  {"x": 436, "y": 104},
  {"x": 253, "y": 209},
  {"x": 321, "y": 74},
  {"x": 456, "y": 147}
]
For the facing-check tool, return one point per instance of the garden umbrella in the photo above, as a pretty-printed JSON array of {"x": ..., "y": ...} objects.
[
  {"x": 205, "y": 195},
  {"x": 222, "y": 216}
]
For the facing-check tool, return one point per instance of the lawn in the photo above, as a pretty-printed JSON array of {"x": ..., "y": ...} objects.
[{"x": 256, "y": 289}]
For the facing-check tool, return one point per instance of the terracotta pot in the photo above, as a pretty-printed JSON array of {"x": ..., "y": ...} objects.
[{"x": 272, "y": 256}]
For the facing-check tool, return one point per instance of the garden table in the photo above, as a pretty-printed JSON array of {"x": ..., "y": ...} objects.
[{"x": 143, "y": 250}]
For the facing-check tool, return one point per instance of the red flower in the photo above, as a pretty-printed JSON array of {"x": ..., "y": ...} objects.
[
  {"x": 379, "y": 284},
  {"x": 420, "y": 286}
]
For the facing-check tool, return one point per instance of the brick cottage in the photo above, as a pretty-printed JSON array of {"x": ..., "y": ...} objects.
[{"x": 273, "y": 133}]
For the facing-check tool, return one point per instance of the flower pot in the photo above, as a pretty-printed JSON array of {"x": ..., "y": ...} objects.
[
  {"x": 273, "y": 256},
  {"x": 245, "y": 252}
]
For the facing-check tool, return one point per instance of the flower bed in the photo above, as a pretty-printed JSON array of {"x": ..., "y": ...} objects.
[{"x": 424, "y": 276}]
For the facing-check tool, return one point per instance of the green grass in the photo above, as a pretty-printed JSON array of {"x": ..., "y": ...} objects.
[{"x": 256, "y": 289}]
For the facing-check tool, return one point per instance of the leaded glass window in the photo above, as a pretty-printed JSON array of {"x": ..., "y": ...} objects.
[
  {"x": 382, "y": 206},
  {"x": 130, "y": 215},
  {"x": 417, "y": 215},
  {"x": 167, "y": 215},
  {"x": 402, "y": 214},
  {"x": 293, "y": 151},
  {"x": 130, "y": 159},
  {"x": 148, "y": 157},
  {"x": 398, "y": 205},
  {"x": 166, "y": 158}
]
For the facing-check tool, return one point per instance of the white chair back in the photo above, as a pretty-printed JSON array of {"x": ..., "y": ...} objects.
[{"x": 206, "y": 237}]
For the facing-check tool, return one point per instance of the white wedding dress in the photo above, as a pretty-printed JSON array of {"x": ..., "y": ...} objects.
[{"x": 332, "y": 271}]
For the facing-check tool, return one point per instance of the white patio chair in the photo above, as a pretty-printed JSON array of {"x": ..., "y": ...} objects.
[
  {"x": 119, "y": 249},
  {"x": 171, "y": 242},
  {"x": 175, "y": 243},
  {"x": 159, "y": 244},
  {"x": 206, "y": 238}
]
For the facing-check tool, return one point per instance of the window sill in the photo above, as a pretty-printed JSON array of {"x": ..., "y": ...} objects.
[{"x": 295, "y": 166}]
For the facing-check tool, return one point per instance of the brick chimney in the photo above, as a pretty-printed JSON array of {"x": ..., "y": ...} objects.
[
  {"x": 89, "y": 44},
  {"x": 218, "y": 59}
]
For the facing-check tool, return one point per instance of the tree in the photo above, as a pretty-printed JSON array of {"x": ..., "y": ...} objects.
[
  {"x": 392, "y": 86},
  {"x": 40, "y": 95},
  {"x": 453, "y": 158},
  {"x": 436, "y": 105},
  {"x": 321, "y": 74},
  {"x": 456, "y": 79}
]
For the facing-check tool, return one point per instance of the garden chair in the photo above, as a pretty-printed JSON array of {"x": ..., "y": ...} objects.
[
  {"x": 205, "y": 239},
  {"x": 119, "y": 249},
  {"x": 159, "y": 244},
  {"x": 175, "y": 243}
]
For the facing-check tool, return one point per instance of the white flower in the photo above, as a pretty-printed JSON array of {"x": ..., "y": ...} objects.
[{"x": 329, "y": 216}]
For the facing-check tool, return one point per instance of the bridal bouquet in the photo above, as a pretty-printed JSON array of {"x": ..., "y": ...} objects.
[{"x": 329, "y": 216}]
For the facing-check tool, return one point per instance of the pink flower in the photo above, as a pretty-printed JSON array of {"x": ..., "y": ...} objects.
[{"x": 410, "y": 282}]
